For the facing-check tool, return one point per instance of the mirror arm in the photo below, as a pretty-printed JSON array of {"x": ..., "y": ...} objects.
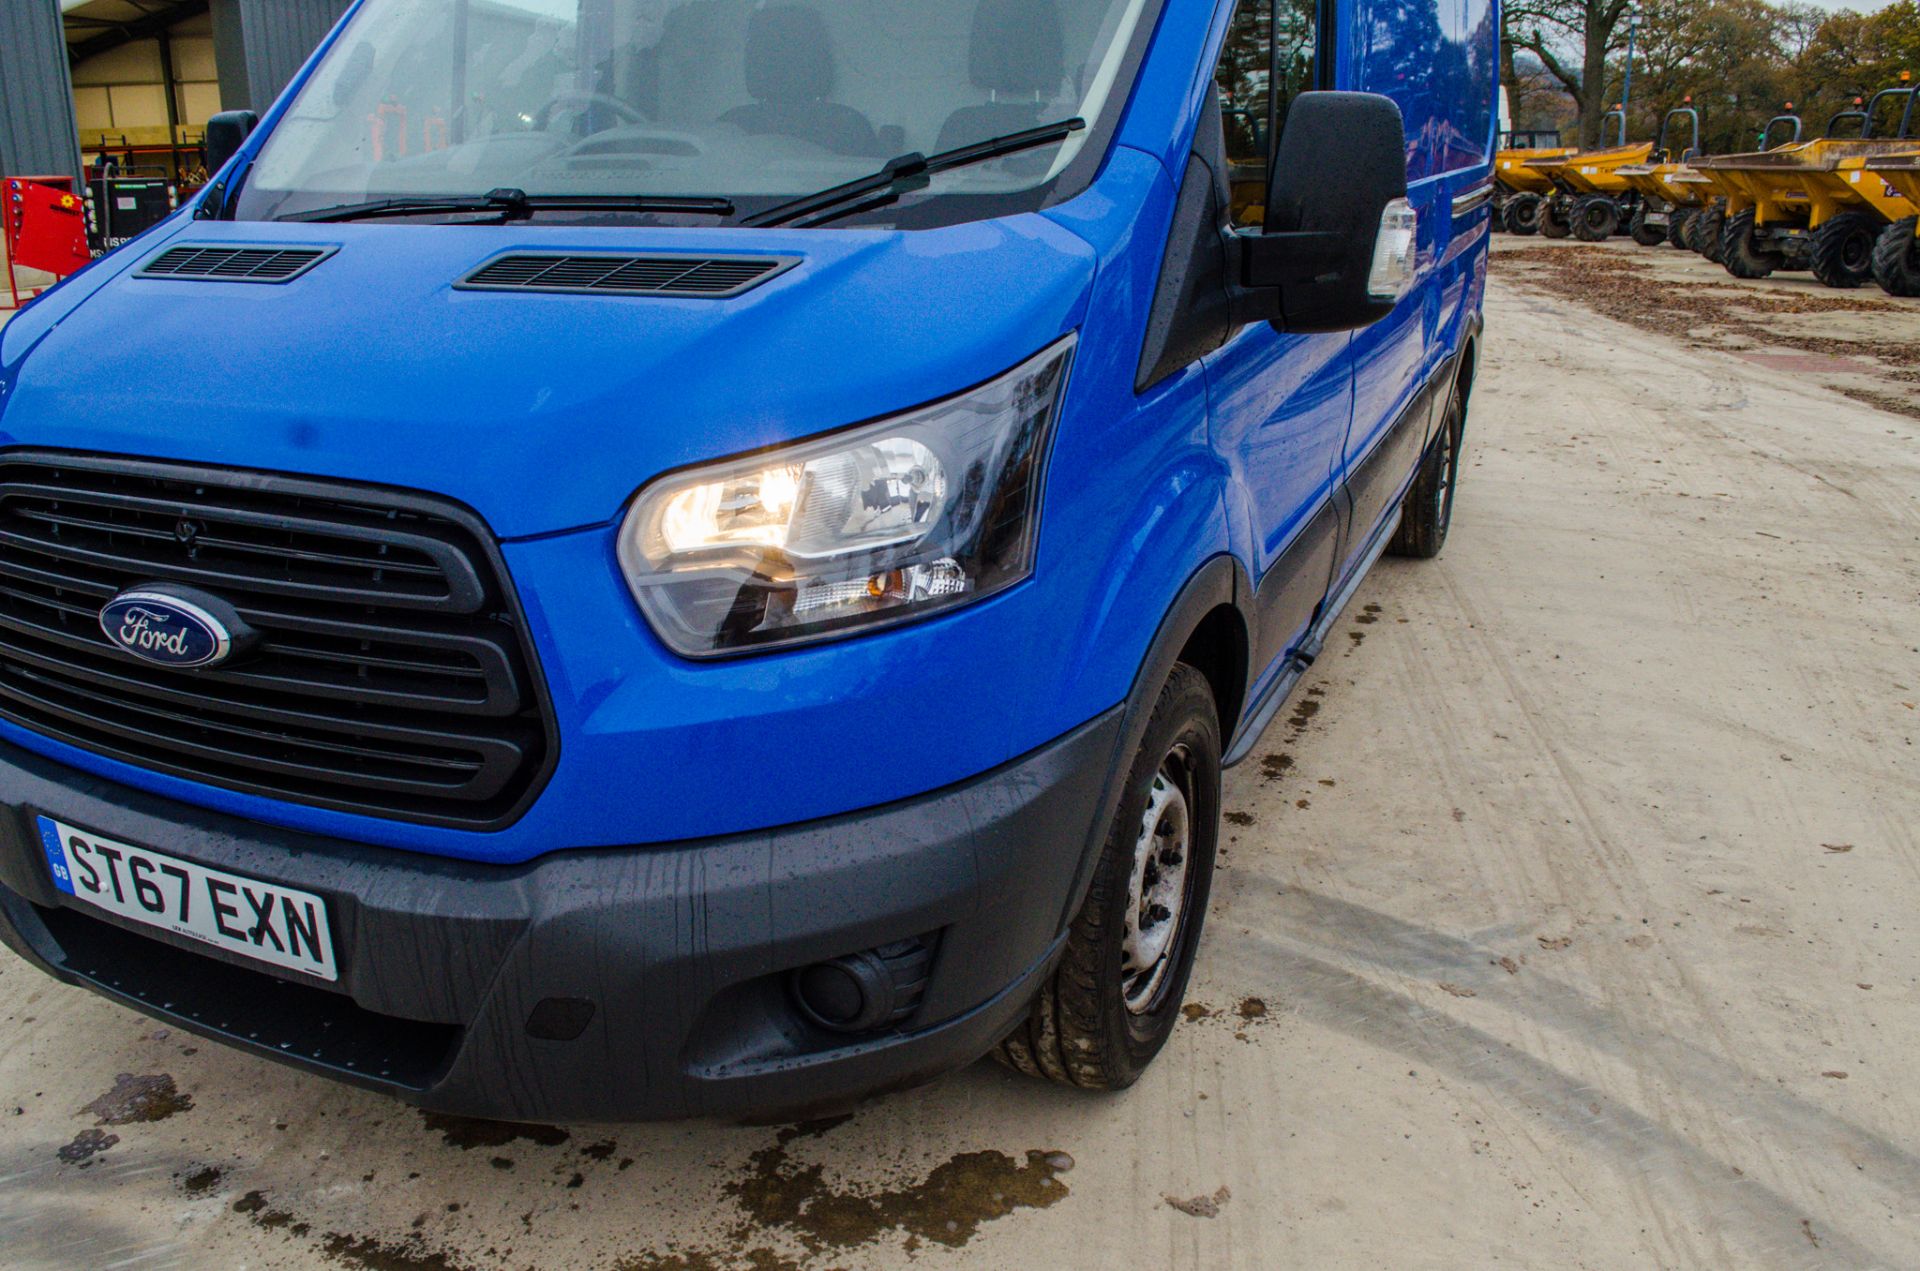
[
  {"x": 1247, "y": 302},
  {"x": 1279, "y": 257},
  {"x": 213, "y": 204}
]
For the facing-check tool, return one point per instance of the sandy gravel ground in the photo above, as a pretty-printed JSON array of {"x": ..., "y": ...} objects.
[{"x": 1569, "y": 921}]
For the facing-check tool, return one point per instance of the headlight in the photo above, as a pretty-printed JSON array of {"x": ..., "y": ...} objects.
[{"x": 876, "y": 525}]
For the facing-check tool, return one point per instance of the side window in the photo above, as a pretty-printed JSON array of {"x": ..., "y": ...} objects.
[{"x": 1271, "y": 56}]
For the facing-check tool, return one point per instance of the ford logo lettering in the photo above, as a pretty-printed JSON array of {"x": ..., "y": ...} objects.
[{"x": 174, "y": 627}]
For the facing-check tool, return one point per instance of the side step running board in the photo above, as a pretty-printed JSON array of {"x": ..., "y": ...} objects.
[{"x": 1261, "y": 717}]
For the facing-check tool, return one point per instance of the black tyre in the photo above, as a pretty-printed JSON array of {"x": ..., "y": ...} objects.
[
  {"x": 1596, "y": 218},
  {"x": 1522, "y": 214},
  {"x": 1741, "y": 254},
  {"x": 1678, "y": 222},
  {"x": 1426, "y": 514},
  {"x": 1644, "y": 234},
  {"x": 1842, "y": 254},
  {"x": 1710, "y": 232},
  {"x": 1553, "y": 218},
  {"x": 1896, "y": 258},
  {"x": 1110, "y": 1005}
]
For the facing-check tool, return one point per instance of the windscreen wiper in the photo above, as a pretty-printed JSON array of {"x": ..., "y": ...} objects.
[
  {"x": 902, "y": 176},
  {"x": 514, "y": 205}
]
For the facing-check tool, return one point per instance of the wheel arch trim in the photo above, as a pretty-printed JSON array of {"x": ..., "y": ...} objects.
[{"x": 1220, "y": 584}]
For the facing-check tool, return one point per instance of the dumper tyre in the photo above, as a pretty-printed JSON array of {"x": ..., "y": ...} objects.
[
  {"x": 1522, "y": 214},
  {"x": 1842, "y": 254},
  {"x": 1553, "y": 219},
  {"x": 1739, "y": 253},
  {"x": 1595, "y": 219},
  {"x": 1426, "y": 513},
  {"x": 1644, "y": 234},
  {"x": 1679, "y": 224},
  {"x": 1896, "y": 258},
  {"x": 1100, "y": 1017},
  {"x": 1709, "y": 232}
]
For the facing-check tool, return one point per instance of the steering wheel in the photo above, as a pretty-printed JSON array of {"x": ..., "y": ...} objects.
[{"x": 576, "y": 97}]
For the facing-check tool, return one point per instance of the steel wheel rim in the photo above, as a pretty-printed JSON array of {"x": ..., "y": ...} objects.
[
  {"x": 1158, "y": 887},
  {"x": 1856, "y": 256}
]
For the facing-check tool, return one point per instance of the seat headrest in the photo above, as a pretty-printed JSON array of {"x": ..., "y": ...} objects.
[
  {"x": 789, "y": 55},
  {"x": 1019, "y": 46}
]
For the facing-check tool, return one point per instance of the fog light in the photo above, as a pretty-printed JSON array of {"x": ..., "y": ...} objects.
[{"x": 866, "y": 991}]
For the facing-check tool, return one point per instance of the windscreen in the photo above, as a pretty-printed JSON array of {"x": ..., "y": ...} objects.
[{"x": 739, "y": 99}]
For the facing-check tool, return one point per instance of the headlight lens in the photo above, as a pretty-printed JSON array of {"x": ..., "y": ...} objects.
[{"x": 876, "y": 525}]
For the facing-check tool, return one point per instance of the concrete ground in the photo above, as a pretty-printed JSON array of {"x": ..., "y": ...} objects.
[{"x": 1572, "y": 919}]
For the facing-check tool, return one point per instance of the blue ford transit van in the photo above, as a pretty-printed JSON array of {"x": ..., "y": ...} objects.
[{"x": 705, "y": 557}]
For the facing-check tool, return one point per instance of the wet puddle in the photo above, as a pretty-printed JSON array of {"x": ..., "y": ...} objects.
[
  {"x": 948, "y": 1207},
  {"x": 137, "y": 1100}
]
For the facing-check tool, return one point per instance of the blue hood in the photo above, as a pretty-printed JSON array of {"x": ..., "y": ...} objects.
[{"x": 542, "y": 412}]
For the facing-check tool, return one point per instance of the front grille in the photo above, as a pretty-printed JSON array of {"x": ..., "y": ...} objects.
[
  {"x": 712, "y": 278},
  {"x": 234, "y": 264},
  {"x": 391, "y": 676}
]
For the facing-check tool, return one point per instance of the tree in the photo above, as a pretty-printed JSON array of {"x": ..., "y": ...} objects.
[
  {"x": 1740, "y": 61},
  {"x": 1574, "y": 39},
  {"x": 1855, "y": 55},
  {"x": 1728, "y": 56}
]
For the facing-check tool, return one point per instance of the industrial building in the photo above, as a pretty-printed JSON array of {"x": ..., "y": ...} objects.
[{"x": 92, "y": 87}]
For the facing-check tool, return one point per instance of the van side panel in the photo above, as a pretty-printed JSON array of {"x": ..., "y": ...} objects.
[
  {"x": 1465, "y": 155},
  {"x": 1281, "y": 405},
  {"x": 1388, "y": 47},
  {"x": 1435, "y": 58}
]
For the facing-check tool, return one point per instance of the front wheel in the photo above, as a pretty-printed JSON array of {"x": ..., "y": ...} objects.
[
  {"x": 1843, "y": 249},
  {"x": 1896, "y": 258},
  {"x": 1110, "y": 1005},
  {"x": 1709, "y": 231},
  {"x": 1595, "y": 219},
  {"x": 1679, "y": 222},
  {"x": 1426, "y": 514},
  {"x": 1645, "y": 234},
  {"x": 1553, "y": 218},
  {"x": 1740, "y": 251},
  {"x": 1522, "y": 214}
]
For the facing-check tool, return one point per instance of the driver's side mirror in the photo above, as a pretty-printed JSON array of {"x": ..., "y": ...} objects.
[
  {"x": 226, "y": 133},
  {"x": 1338, "y": 247}
]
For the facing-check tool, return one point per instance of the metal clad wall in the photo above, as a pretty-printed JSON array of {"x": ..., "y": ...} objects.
[
  {"x": 230, "y": 55},
  {"x": 38, "y": 135},
  {"x": 280, "y": 36}
]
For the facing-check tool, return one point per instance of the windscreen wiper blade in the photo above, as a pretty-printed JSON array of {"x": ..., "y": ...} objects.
[
  {"x": 904, "y": 175},
  {"x": 515, "y": 205}
]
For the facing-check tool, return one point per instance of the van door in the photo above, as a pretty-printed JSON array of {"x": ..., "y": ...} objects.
[
  {"x": 1393, "y": 51},
  {"x": 1281, "y": 404}
]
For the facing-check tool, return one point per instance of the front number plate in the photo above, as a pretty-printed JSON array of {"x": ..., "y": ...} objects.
[{"x": 263, "y": 921}]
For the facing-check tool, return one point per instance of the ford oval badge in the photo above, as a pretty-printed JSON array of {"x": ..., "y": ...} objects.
[{"x": 173, "y": 627}]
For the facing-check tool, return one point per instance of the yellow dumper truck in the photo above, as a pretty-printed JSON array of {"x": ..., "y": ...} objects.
[{"x": 1815, "y": 205}]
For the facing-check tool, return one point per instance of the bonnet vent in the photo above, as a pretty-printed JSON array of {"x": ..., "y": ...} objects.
[
  {"x": 234, "y": 264},
  {"x": 703, "y": 276}
]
